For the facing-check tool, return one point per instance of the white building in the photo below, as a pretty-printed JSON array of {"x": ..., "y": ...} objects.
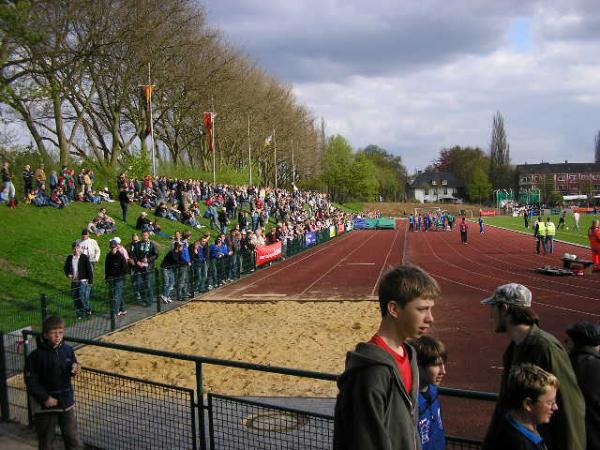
[{"x": 429, "y": 187}]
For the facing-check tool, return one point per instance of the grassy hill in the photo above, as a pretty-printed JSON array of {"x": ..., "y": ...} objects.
[{"x": 36, "y": 241}]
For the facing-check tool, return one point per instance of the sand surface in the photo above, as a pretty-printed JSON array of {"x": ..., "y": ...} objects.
[{"x": 310, "y": 336}]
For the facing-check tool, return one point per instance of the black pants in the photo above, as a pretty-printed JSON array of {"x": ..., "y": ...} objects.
[
  {"x": 124, "y": 209},
  {"x": 45, "y": 426},
  {"x": 541, "y": 241}
]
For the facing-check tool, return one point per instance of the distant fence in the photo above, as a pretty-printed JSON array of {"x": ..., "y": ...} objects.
[{"x": 116, "y": 411}]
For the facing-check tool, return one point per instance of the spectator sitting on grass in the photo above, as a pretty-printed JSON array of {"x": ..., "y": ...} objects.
[{"x": 144, "y": 223}]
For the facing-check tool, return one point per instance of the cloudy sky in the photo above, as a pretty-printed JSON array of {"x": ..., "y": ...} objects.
[{"x": 417, "y": 76}]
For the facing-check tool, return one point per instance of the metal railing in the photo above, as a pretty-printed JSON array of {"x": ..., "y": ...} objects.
[{"x": 122, "y": 409}]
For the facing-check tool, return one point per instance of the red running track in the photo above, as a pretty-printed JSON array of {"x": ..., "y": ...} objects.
[{"x": 349, "y": 268}]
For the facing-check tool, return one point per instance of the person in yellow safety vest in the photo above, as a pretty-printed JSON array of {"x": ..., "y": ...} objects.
[
  {"x": 550, "y": 233},
  {"x": 539, "y": 231}
]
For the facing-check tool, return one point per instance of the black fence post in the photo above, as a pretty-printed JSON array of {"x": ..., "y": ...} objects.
[
  {"x": 111, "y": 301},
  {"x": 44, "y": 306},
  {"x": 157, "y": 289},
  {"x": 200, "y": 397},
  {"x": 4, "y": 406},
  {"x": 26, "y": 337}
]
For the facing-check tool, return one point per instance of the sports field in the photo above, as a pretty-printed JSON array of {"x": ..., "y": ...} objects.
[{"x": 308, "y": 311}]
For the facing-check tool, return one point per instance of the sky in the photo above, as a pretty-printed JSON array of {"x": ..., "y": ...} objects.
[{"x": 417, "y": 76}]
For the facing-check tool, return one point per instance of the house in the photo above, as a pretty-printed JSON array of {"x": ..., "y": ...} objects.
[
  {"x": 567, "y": 178},
  {"x": 434, "y": 186}
]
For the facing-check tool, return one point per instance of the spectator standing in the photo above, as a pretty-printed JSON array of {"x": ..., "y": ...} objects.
[
  {"x": 124, "y": 202},
  {"x": 79, "y": 270},
  {"x": 171, "y": 265},
  {"x": 481, "y": 225},
  {"x": 144, "y": 255},
  {"x": 594, "y": 238},
  {"x": 526, "y": 218},
  {"x": 223, "y": 220},
  {"x": 531, "y": 401},
  {"x": 431, "y": 358},
  {"x": 561, "y": 220},
  {"x": 511, "y": 309},
  {"x": 27, "y": 179},
  {"x": 550, "y": 233},
  {"x": 115, "y": 271},
  {"x": 539, "y": 231},
  {"x": 7, "y": 181},
  {"x": 376, "y": 405},
  {"x": 90, "y": 247},
  {"x": 48, "y": 372},
  {"x": 199, "y": 264},
  {"x": 463, "y": 227},
  {"x": 583, "y": 344}
]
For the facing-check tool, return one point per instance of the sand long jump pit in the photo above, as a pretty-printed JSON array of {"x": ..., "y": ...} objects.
[{"x": 300, "y": 335}]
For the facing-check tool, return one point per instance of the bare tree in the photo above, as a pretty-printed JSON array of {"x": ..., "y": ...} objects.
[{"x": 597, "y": 147}]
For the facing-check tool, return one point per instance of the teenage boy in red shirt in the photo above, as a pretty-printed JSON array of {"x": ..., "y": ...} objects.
[{"x": 376, "y": 407}]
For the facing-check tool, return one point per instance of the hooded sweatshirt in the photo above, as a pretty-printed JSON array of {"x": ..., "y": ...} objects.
[{"x": 373, "y": 409}]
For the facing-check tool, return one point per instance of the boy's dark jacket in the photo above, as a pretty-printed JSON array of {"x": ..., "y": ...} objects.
[
  {"x": 48, "y": 373},
  {"x": 373, "y": 409}
]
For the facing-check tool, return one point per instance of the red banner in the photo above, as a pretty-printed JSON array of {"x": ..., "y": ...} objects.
[
  {"x": 209, "y": 124},
  {"x": 491, "y": 212},
  {"x": 268, "y": 253},
  {"x": 341, "y": 229}
]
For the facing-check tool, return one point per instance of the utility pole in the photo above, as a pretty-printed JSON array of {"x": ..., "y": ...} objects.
[
  {"x": 148, "y": 89},
  {"x": 275, "y": 156}
]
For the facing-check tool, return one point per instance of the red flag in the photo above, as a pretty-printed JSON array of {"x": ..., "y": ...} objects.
[
  {"x": 147, "y": 91},
  {"x": 209, "y": 123}
]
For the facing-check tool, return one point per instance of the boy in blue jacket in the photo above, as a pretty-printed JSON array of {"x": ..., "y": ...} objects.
[
  {"x": 48, "y": 372},
  {"x": 431, "y": 358}
]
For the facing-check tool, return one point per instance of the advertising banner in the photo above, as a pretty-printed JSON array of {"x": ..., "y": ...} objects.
[
  {"x": 268, "y": 253},
  {"x": 340, "y": 229},
  {"x": 485, "y": 213},
  {"x": 311, "y": 238},
  {"x": 332, "y": 231},
  {"x": 360, "y": 223}
]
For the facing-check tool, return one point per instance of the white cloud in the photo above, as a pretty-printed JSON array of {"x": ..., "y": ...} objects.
[{"x": 414, "y": 79}]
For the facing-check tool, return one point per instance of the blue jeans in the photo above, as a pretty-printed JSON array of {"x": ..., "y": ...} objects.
[
  {"x": 550, "y": 244},
  {"x": 182, "y": 282},
  {"x": 144, "y": 284},
  {"x": 234, "y": 266},
  {"x": 200, "y": 272},
  {"x": 116, "y": 290},
  {"x": 10, "y": 188},
  {"x": 80, "y": 290},
  {"x": 169, "y": 281}
]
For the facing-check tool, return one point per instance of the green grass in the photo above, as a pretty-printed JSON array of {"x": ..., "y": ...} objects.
[
  {"x": 351, "y": 207},
  {"x": 571, "y": 235},
  {"x": 35, "y": 242}
]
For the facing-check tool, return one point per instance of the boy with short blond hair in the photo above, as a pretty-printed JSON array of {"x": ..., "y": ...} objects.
[{"x": 531, "y": 401}]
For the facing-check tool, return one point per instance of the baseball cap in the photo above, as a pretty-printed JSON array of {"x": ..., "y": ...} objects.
[
  {"x": 116, "y": 239},
  {"x": 585, "y": 333},
  {"x": 113, "y": 244},
  {"x": 511, "y": 294}
]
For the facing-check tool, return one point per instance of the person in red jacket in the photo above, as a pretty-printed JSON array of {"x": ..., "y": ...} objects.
[{"x": 594, "y": 237}]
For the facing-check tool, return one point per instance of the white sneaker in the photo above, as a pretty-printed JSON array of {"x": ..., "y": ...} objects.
[
  {"x": 169, "y": 300},
  {"x": 164, "y": 299}
]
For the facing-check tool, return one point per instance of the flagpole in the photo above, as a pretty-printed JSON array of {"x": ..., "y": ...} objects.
[
  {"x": 149, "y": 99},
  {"x": 275, "y": 155},
  {"x": 212, "y": 137},
  {"x": 293, "y": 169},
  {"x": 249, "y": 155}
]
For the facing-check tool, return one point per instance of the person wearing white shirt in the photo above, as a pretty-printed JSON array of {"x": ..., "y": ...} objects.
[{"x": 89, "y": 247}]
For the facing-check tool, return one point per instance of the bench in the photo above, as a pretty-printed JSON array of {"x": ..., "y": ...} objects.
[{"x": 575, "y": 265}]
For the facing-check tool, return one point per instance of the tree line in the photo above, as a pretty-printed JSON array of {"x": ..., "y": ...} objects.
[{"x": 72, "y": 71}]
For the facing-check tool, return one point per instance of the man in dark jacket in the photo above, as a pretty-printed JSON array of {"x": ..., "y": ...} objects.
[
  {"x": 583, "y": 343},
  {"x": 116, "y": 269},
  {"x": 48, "y": 372},
  {"x": 144, "y": 257},
  {"x": 513, "y": 315},
  {"x": 79, "y": 270},
  {"x": 172, "y": 263},
  {"x": 376, "y": 407}
]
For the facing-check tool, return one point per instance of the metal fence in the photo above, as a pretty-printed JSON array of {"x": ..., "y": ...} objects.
[{"x": 118, "y": 412}]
